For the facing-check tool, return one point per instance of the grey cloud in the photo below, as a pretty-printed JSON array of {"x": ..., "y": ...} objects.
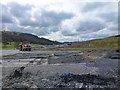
[
  {"x": 46, "y": 21},
  {"x": 6, "y": 16},
  {"x": 113, "y": 27},
  {"x": 53, "y": 18},
  {"x": 22, "y": 13},
  {"x": 85, "y": 27},
  {"x": 13, "y": 9},
  {"x": 91, "y": 6},
  {"x": 6, "y": 19},
  {"x": 28, "y": 22},
  {"x": 42, "y": 31},
  {"x": 90, "y": 26},
  {"x": 69, "y": 33},
  {"x": 47, "y": 18},
  {"x": 119, "y": 13},
  {"x": 109, "y": 17},
  {"x": 19, "y": 10}
]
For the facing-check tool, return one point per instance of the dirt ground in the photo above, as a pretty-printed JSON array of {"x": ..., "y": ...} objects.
[{"x": 85, "y": 68}]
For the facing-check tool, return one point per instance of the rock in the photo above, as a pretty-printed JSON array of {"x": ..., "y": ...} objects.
[
  {"x": 115, "y": 56},
  {"x": 22, "y": 68},
  {"x": 31, "y": 62},
  {"x": 18, "y": 85},
  {"x": 17, "y": 73},
  {"x": 79, "y": 85},
  {"x": 60, "y": 85},
  {"x": 34, "y": 87}
]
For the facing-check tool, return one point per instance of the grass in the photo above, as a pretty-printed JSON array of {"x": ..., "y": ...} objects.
[
  {"x": 9, "y": 45},
  {"x": 98, "y": 43},
  {"x": 13, "y": 45}
]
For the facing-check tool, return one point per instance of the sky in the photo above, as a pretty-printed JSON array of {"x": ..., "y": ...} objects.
[{"x": 61, "y": 20}]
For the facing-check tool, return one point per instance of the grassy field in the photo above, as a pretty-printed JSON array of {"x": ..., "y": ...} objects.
[
  {"x": 9, "y": 45},
  {"x": 98, "y": 43},
  {"x": 13, "y": 45}
]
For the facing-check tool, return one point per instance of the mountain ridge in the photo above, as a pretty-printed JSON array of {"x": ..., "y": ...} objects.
[{"x": 8, "y": 36}]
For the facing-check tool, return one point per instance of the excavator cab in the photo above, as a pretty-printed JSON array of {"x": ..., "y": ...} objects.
[{"x": 25, "y": 47}]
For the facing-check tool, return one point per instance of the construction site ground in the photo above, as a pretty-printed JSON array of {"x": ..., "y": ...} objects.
[{"x": 89, "y": 68}]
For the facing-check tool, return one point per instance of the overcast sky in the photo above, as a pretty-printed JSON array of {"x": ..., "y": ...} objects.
[{"x": 61, "y": 20}]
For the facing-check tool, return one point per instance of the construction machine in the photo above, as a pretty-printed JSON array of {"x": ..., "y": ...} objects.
[{"x": 25, "y": 47}]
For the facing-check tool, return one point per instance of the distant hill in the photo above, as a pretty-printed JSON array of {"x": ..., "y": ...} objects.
[
  {"x": 8, "y": 36},
  {"x": 112, "y": 41}
]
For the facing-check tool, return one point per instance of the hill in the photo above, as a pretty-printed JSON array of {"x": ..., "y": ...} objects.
[
  {"x": 8, "y": 36},
  {"x": 112, "y": 41}
]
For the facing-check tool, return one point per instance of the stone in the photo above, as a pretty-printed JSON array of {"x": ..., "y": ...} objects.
[
  {"x": 34, "y": 86},
  {"x": 19, "y": 85},
  {"x": 78, "y": 85}
]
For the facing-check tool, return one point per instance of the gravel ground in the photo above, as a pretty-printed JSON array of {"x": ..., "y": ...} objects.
[{"x": 61, "y": 69}]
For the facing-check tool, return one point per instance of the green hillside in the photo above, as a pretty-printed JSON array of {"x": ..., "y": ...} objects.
[{"x": 98, "y": 43}]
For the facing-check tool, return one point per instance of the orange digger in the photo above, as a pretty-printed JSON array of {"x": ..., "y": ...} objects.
[{"x": 25, "y": 47}]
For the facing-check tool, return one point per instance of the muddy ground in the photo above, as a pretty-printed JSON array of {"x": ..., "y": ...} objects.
[{"x": 88, "y": 68}]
